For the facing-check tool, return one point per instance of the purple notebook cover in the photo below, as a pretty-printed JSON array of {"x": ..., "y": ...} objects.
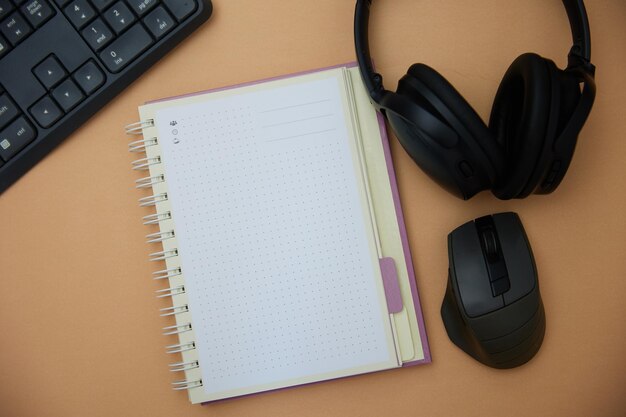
[{"x": 390, "y": 293}]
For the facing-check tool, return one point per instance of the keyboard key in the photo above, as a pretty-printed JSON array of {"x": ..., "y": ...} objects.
[
  {"x": 15, "y": 138},
  {"x": 50, "y": 72},
  {"x": 4, "y": 46},
  {"x": 37, "y": 12},
  {"x": 8, "y": 110},
  {"x": 141, "y": 7},
  {"x": 79, "y": 12},
  {"x": 119, "y": 17},
  {"x": 126, "y": 48},
  {"x": 181, "y": 8},
  {"x": 15, "y": 28},
  {"x": 89, "y": 77},
  {"x": 159, "y": 22},
  {"x": 5, "y": 8},
  {"x": 61, "y": 3},
  {"x": 68, "y": 95},
  {"x": 102, "y": 4},
  {"x": 46, "y": 112},
  {"x": 97, "y": 34}
]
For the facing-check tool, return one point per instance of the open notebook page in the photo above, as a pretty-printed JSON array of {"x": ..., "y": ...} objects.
[{"x": 274, "y": 235}]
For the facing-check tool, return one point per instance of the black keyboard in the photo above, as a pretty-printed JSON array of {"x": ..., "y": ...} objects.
[{"x": 63, "y": 60}]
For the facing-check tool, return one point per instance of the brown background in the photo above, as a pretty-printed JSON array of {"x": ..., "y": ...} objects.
[{"x": 80, "y": 332}]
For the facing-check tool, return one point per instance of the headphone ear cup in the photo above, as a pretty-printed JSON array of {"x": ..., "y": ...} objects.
[
  {"x": 427, "y": 153},
  {"x": 524, "y": 120},
  {"x": 570, "y": 122},
  {"x": 469, "y": 163}
]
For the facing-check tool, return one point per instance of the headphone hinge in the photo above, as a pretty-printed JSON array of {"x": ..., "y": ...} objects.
[
  {"x": 378, "y": 82},
  {"x": 576, "y": 62},
  {"x": 378, "y": 90}
]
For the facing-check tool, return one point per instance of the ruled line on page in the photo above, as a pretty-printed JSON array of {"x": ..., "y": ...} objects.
[
  {"x": 296, "y": 105},
  {"x": 299, "y": 120},
  {"x": 301, "y": 135}
]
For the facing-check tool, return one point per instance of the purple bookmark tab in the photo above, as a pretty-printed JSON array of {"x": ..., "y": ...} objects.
[{"x": 391, "y": 285}]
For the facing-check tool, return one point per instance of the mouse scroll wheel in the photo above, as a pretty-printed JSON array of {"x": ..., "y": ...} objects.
[{"x": 490, "y": 242}]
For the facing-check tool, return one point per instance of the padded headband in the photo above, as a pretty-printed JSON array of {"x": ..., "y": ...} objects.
[{"x": 579, "y": 56}]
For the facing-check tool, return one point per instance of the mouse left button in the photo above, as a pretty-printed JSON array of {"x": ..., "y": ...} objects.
[
  {"x": 469, "y": 270},
  {"x": 518, "y": 256}
]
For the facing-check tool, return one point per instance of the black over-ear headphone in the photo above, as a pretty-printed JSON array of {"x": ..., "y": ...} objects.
[{"x": 536, "y": 117}]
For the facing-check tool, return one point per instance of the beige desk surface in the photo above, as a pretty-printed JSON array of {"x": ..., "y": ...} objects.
[{"x": 79, "y": 328}]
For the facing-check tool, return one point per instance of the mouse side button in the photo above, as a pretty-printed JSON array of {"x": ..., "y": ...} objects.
[
  {"x": 469, "y": 271},
  {"x": 518, "y": 256}
]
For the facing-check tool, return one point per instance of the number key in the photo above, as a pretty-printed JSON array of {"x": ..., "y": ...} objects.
[
  {"x": 159, "y": 22},
  {"x": 97, "y": 34},
  {"x": 126, "y": 48},
  {"x": 80, "y": 13},
  {"x": 119, "y": 17}
]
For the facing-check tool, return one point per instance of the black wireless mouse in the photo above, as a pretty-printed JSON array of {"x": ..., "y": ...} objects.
[{"x": 492, "y": 308}]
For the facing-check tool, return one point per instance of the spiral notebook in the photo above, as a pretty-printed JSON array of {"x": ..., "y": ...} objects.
[{"x": 277, "y": 219}]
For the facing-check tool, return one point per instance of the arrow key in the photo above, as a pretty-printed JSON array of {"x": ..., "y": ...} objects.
[
  {"x": 68, "y": 95},
  {"x": 46, "y": 112},
  {"x": 50, "y": 72},
  {"x": 89, "y": 77}
]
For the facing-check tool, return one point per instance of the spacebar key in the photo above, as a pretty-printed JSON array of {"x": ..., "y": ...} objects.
[{"x": 126, "y": 48}]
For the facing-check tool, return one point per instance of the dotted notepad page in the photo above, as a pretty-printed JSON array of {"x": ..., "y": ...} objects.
[{"x": 273, "y": 237}]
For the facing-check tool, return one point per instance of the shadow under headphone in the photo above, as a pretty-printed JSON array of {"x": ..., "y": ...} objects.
[{"x": 537, "y": 114}]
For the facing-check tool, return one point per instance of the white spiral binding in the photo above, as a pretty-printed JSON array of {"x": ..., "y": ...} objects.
[
  {"x": 176, "y": 329},
  {"x": 159, "y": 236},
  {"x": 174, "y": 310},
  {"x": 170, "y": 292},
  {"x": 163, "y": 255},
  {"x": 167, "y": 273},
  {"x": 148, "y": 182},
  {"x": 152, "y": 200},
  {"x": 138, "y": 127},
  {"x": 184, "y": 384},
  {"x": 157, "y": 218},
  {"x": 144, "y": 164},
  {"x": 180, "y": 347},
  {"x": 167, "y": 238},
  {"x": 184, "y": 366},
  {"x": 141, "y": 145}
]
